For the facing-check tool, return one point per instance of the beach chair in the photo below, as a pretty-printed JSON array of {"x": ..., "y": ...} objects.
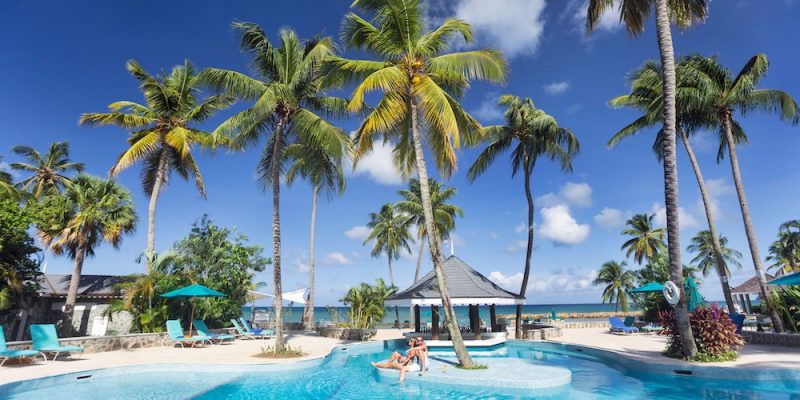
[
  {"x": 629, "y": 321},
  {"x": 738, "y": 320},
  {"x": 618, "y": 326},
  {"x": 45, "y": 340},
  {"x": 650, "y": 328},
  {"x": 264, "y": 333},
  {"x": 241, "y": 333},
  {"x": 7, "y": 354},
  {"x": 203, "y": 330},
  {"x": 176, "y": 336}
]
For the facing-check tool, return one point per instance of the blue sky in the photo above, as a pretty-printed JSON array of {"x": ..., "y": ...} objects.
[{"x": 61, "y": 59}]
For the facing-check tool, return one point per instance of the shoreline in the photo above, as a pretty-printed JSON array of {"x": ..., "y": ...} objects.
[{"x": 576, "y": 315}]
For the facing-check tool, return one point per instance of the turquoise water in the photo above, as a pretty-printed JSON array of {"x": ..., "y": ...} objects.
[{"x": 349, "y": 375}]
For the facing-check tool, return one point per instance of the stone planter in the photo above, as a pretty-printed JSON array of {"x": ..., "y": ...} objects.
[
  {"x": 96, "y": 344},
  {"x": 346, "y": 333}
]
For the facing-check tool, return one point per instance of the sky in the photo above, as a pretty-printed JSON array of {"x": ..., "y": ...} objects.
[{"x": 61, "y": 59}]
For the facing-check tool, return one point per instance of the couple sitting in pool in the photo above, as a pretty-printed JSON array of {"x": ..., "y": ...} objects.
[{"x": 414, "y": 360}]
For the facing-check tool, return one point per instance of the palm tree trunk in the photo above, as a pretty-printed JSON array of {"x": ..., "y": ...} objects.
[
  {"x": 436, "y": 253},
  {"x": 276, "y": 234},
  {"x": 419, "y": 258},
  {"x": 777, "y": 323},
  {"x": 151, "y": 210},
  {"x": 712, "y": 226},
  {"x": 529, "y": 251},
  {"x": 671, "y": 175},
  {"x": 72, "y": 292},
  {"x": 391, "y": 282},
  {"x": 308, "y": 318}
]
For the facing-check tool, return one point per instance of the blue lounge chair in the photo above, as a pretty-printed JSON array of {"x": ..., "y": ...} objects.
[
  {"x": 618, "y": 326},
  {"x": 7, "y": 354},
  {"x": 240, "y": 332},
  {"x": 175, "y": 332},
  {"x": 738, "y": 319},
  {"x": 45, "y": 340},
  {"x": 203, "y": 330},
  {"x": 255, "y": 331},
  {"x": 629, "y": 321}
]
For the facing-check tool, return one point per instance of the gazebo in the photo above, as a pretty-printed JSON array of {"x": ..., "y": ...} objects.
[
  {"x": 749, "y": 287},
  {"x": 467, "y": 287}
]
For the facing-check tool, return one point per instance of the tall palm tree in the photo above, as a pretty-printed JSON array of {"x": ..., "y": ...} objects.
[
  {"x": 289, "y": 107},
  {"x": 618, "y": 281},
  {"x": 162, "y": 134},
  {"x": 324, "y": 172},
  {"x": 706, "y": 258},
  {"x": 90, "y": 212},
  {"x": 417, "y": 78},
  {"x": 646, "y": 240},
  {"x": 646, "y": 95},
  {"x": 534, "y": 133},
  {"x": 683, "y": 13},
  {"x": 723, "y": 95},
  {"x": 391, "y": 234},
  {"x": 444, "y": 213},
  {"x": 49, "y": 171},
  {"x": 785, "y": 251}
]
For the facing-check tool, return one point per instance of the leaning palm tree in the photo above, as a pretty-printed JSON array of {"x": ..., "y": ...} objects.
[
  {"x": 682, "y": 13},
  {"x": 618, "y": 281},
  {"x": 389, "y": 230},
  {"x": 646, "y": 240},
  {"x": 417, "y": 78},
  {"x": 706, "y": 259},
  {"x": 162, "y": 134},
  {"x": 444, "y": 213},
  {"x": 785, "y": 251},
  {"x": 533, "y": 133},
  {"x": 49, "y": 172},
  {"x": 289, "y": 107},
  {"x": 91, "y": 211},
  {"x": 324, "y": 172},
  {"x": 725, "y": 94}
]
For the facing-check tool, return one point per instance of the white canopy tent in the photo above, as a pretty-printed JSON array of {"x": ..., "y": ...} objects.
[{"x": 297, "y": 296}]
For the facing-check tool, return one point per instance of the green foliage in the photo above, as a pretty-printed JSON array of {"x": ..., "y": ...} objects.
[
  {"x": 444, "y": 213},
  {"x": 618, "y": 281},
  {"x": 473, "y": 366},
  {"x": 787, "y": 302},
  {"x": 702, "y": 244},
  {"x": 7, "y": 189},
  {"x": 657, "y": 270},
  {"x": 713, "y": 331},
  {"x": 48, "y": 171},
  {"x": 366, "y": 303},
  {"x": 646, "y": 240},
  {"x": 785, "y": 250},
  {"x": 704, "y": 357},
  {"x": 286, "y": 352},
  {"x": 19, "y": 266},
  {"x": 390, "y": 232}
]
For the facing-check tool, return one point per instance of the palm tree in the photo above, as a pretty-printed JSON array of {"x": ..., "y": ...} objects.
[
  {"x": 444, "y": 213},
  {"x": 162, "y": 134},
  {"x": 90, "y": 212},
  {"x": 703, "y": 245},
  {"x": 536, "y": 134},
  {"x": 785, "y": 251},
  {"x": 390, "y": 232},
  {"x": 618, "y": 281},
  {"x": 366, "y": 303},
  {"x": 289, "y": 107},
  {"x": 49, "y": 171},
  {"x": 646, "y": 240},
  {"x": 324, "y": 172},
  {"x": 681, "y": 12},
  {"x": 417, "y": 78},
  {"x": 7, "y": 189}
]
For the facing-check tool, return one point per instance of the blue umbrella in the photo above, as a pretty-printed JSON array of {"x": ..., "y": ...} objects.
[
  {"x": 190, "y": 291},
  {"x": 788, "y": 280},
  {"x": 650, "y": 287}
]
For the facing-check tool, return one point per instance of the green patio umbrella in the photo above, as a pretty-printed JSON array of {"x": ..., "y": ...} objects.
[
  {"x": 693, "y": 294},
  {"x": 191, "y": 291},
  {"x": 788, "y": 280},
  {"x": 649, "y": 287}
]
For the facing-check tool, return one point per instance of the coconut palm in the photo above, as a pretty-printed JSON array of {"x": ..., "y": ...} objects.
[
  {"x": 785, "y": 251},
  {"x": 706, "y": 258},
  {"x": 90, "y": 212},
  {"x": 618, "y": 281},
  {"x": 7, "y": 189},
  {"x": 162, "y": 134},
  {"x": 289, "y": 107},
  {"x": 49, "y": 172},
  {"x": 444, "y": 213},
  {"x": 533, "y": 133},
  {"x": 646, "y": 240},
  {"x": 417, "y": 78},
  {"x": 683, "y": 13},
  {"x": 324, "y": 172}
]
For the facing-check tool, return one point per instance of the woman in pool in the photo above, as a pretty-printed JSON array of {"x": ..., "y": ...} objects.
[{"x": 397, "y": 360}]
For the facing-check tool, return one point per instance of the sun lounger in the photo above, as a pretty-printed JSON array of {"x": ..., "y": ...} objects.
[
  {"x": 618, "y": 326},
  {"x": 254, "y": 331},
  {"x": 629, "y": 321},
  {"x": 7, "y": 354},
  {"x": 45, "y": 340},
  {"x": 203, "y": 330},
  {"x": 738, "y": 320},
  {"x": 652, "y": 329},
  {"x": 241, "y": 333},
  {"x": 176, "y": 336}
]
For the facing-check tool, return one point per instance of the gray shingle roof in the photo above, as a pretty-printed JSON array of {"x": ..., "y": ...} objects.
[
  {"x": 463, "y": 283},
  {"x": 751, "y": 285},
  {"x": 90, "y": 285}
]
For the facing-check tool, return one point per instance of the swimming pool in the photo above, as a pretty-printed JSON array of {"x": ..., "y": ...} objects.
[{"x": 347, "y": 374}]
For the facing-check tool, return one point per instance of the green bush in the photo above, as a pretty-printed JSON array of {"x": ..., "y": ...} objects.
[
  {"x": 714, "y": 334},
  {"x": 366, "y": 303}
]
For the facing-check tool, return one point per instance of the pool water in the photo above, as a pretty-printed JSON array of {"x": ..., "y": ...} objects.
[{"x": 347, "y": 374}]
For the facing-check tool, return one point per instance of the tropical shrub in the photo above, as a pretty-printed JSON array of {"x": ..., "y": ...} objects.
[
  {"x": 714, "y": 333},
  {"x": 787, "y": 301},
  {"x": 366, "y": 303},
  {"x": 19, "y": 265}
]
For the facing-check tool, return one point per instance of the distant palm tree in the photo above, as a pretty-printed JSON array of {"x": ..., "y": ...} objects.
[
  {"x": 647, "y": 241},
  {"x": 703, "y": 245},
  {"x": 162, "y": 134},
  {"x": 289, "y": 107},
  {"x": 7, "y": 189},
  {"x": 49, "y": 171},
  {"x": 444, "y": 213},
  {"x": 90, "y": 212},
  {"x": 785, "y": 251},
  {"x": 618, "y": 281},
  {"x": 534, "y": 134},
  {"x": 417, "y": 78}
]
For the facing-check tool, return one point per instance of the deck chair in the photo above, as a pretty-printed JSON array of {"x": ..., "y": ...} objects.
[
  {"x": 257, "y": 332},
  {"x": 176, "y": 336},
  {"x": 629, "y": 321},
  {"x": 45, "y": 340},
  {"x": 738, "y": 320},
  {"x": 7, "y": 354},
  {"x": 618, "y": 326},
  {"x": 240, "y": 332},
  {"x": 203, "y": 330}
]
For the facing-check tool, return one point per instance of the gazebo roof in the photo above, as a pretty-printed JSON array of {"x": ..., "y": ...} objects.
[
  {"x": 466, "y": 286},
  {"x": 750, "y": 286}
]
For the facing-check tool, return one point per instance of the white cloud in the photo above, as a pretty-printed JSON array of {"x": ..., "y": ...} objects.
[
  {"x": 556, "y": 87},
  {"x": 560, "y": 281},
  {"x": 336, "y": 258},
  {"x": 548, "y": 200},
  {"x": 685, "y": 219},
  {"x": 489, "y": 110},
  {"x": 517, "y": 245},
  {"x": 560, "y": 227},
  {"x": 359, "y": 232},
  {"x": 513, "y": 26},
  {"x": 521, "y": 228},
  {"x": 301, "y": 264},
  {"x": 510, "y": 282},
  {"x": 608, "y": 22},
  {"x": 578, "y": 194},
  {"x": 379, "y": 166},
  {"x": 610, "y": 218},
  {"x": 716, "y": 188}
]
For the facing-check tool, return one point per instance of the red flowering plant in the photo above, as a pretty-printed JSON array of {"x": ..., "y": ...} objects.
[{"x": 714, "y": 333}]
